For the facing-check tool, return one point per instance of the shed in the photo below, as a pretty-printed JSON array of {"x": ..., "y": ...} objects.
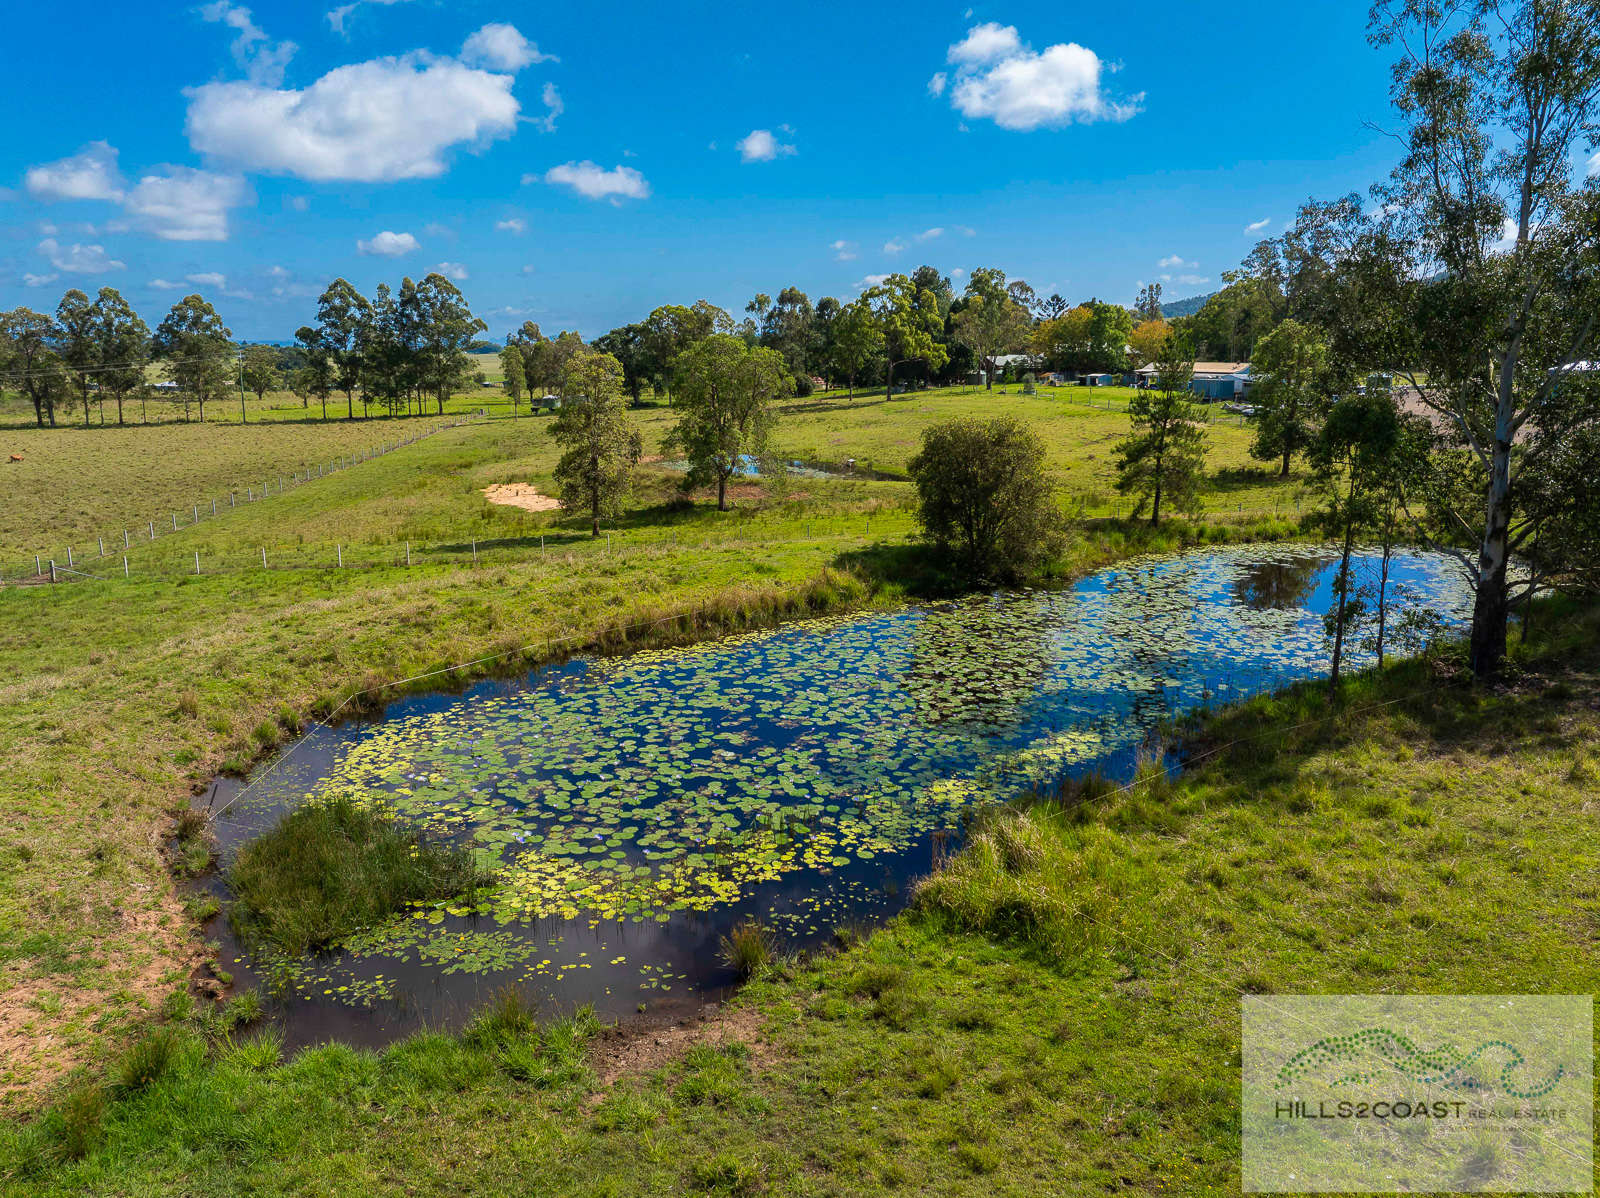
[{"x": 1099, "y": 380}]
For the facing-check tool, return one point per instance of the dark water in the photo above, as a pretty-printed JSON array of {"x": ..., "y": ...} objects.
[{"x": 637, "y": 807}]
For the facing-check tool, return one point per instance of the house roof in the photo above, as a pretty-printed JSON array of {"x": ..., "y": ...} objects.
[{"x": 1205, "y": 368}]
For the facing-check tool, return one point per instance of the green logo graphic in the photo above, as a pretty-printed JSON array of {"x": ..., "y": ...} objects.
[{"x": 1445, "y": 1066}]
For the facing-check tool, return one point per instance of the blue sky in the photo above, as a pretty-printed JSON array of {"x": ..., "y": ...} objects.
[{"x": 579, "y": 166}]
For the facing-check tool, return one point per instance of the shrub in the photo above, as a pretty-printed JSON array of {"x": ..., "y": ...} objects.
[
  {"x": 983, "y": 495},
  {"x": 74, "y": 1124},
  {"x": 327, "y": 869},
  {"x": 258, "y": 1052}
]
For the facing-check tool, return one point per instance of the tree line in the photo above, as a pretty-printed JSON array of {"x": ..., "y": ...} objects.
[{"x": 399, "y": 350}]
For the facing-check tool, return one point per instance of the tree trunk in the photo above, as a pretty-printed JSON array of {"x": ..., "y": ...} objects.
[
  {"x": 1284, "y": 473},
  {"x": 1492, "y": 607},
  {"x": 888, "y": 383},
  {"x": 1383, "y": 585},
  {"x": 119, "y": 407},
  {"x": 988, "y": 375},
  {"x": 722, "y": 492},
  {"x": 349, "y": 405},
  {"x": 38, "y": 412},
  {"x": 1342, "y": 597}
]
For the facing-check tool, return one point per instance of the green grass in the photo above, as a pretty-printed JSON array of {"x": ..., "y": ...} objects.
[
  {"x": 326, "y": 869},
  {"x": 118, "y": 699},
  {"x": 1058, "y": 1013}
]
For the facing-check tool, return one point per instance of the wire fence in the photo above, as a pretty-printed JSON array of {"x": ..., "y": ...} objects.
[{"x": 117, "y": 551}]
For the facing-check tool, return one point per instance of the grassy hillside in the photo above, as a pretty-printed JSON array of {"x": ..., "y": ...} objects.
[{"x": 1057, "y": 1014}]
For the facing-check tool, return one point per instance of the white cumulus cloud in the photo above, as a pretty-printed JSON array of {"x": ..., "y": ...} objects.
[
  {"x": 90, "y": 174},
  {"x": 455, "y": 271},
  {"x": 893, "y": 246},
  {"x": 500, "y": 47},
  {"x": 591, "y": 180},
  {"x": 930, "y": 234},
  {"x": 261, "y": 58},
  {"x": 371, "y": 122},
  {"x": 869, "y": 281},
  {"x": 759, "y": 145},
  {"x": 389, "y": 245},
  {"x": 1175, "y": 260},
  {"x": 512, "y": 224},
  {"x": 186, "y": 204},
  {"x": 79, "y": 259},
  {"x": 845, "y": 251},
  {"x": 29, "y": 279},
  {"x": 1258, "y": 225},
  {"x": 1000, "y": 77},
  {"x": 336, "y": 16},
  {"x": 936, "y": 84}
]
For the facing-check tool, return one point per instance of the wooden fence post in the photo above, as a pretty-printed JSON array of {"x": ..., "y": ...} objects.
[{"x": 124, "y": 567}]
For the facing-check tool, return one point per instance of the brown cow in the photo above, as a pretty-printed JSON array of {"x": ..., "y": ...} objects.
[{"x": 16, "y": 457}]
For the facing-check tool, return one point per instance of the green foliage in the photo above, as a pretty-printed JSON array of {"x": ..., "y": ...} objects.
[
  {"x": 329, "y": 868},
  {"x": 908, "y": 320},
  {"x": 1163, "y": 457},
  {"x": 151, "y": 1058},
  {"x": 747, "y": 949},
  {"x": 856, "y": 340},
  {"x": 724, "y": 393},
  {"x": 516, "y": 377},
  {"x": 194, "y": 344},
  {"x": 602, "y": 448},
  {"x": 982, "y": 492},
  {"x": 259, "y": 370},
  {"x": 1294, "y": 383}
]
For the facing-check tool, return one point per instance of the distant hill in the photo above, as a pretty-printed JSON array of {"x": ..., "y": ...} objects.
[{"x": 1186, "y": 307}]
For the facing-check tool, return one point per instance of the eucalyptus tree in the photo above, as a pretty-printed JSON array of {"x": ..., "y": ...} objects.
[
  {"x": 724, "y": 391},
  {"x": 857, "y": 340},
  {"x": 76, "y": 343},
  {"x": 258, "y": 370},
  {"x": 601, "y": 448},
  {"x": 29, "y": 340},
  {"x": 516, "y": 377},
  {"x": 1162, "y": 460},
  {"x": 448, "y": 328},
  {"x": 1294, "y": 382},
  {"x": 122, "y": 346},
  {"x": 1354, "y": 459},
  {"x": 1495, "y": 242},
  {"x": 340, "y": 337},
  {"x": 991, "y": 322},
  {"x": 908, "y": 322},
  {"x": 626, "y": 345},
  {"x": 198, "y": 351}
]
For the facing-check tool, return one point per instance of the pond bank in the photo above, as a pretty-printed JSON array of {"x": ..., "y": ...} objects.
[
  {"x": 635, "y": 808},
  {"x": 930, "y": 1060}
]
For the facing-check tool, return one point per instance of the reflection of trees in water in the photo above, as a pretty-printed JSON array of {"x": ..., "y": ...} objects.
[
  {"x": 1279, "y": 585},
  {"x": 977, "y": 663}
]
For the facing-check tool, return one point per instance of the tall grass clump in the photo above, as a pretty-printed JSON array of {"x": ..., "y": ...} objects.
[
  {"x": 748, "y": 948},
  {"x": 330, "y": 868},
  {"x": 1033, "y": 877}
]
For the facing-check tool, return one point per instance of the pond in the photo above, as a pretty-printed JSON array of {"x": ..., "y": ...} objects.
[{"x": 637, "y": 807}]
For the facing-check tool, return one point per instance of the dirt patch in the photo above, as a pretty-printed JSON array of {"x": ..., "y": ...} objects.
[
  {"x": 522, "y": 495},
  {"x": 629, "y": 1049}
]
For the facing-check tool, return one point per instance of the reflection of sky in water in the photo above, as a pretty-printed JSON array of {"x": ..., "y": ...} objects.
[{"x": 649, "y": 801}]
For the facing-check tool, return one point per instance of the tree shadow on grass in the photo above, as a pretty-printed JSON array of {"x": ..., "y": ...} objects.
[{"x": 918, "y": 571}]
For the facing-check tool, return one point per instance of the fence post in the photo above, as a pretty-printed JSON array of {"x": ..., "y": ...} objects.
[
  {"x": 197, "y": 513},
  {"x": 102, "y": 541},
  {"x": 52, "y": 569},
  {"x": 69, "y": 557},
  {"x": 37, "y": 568},
  {"x": 340, "y": 550},
  {"x": 233, "y": 499},
  {"x": 197, "y": 561},
  {"x": 263, "y": 557},
  {"x": 474, "y": 551},
  {"x": 541, "y": 542},
  {"x": 152, "y": 530},
  {"x": 213, "y": 507},
  {"x": 126, "y": 544},
  {"x": 174, "y": 521},
  {"x": 408, "y": 555},
  {"x": 124, "y": 567}
]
